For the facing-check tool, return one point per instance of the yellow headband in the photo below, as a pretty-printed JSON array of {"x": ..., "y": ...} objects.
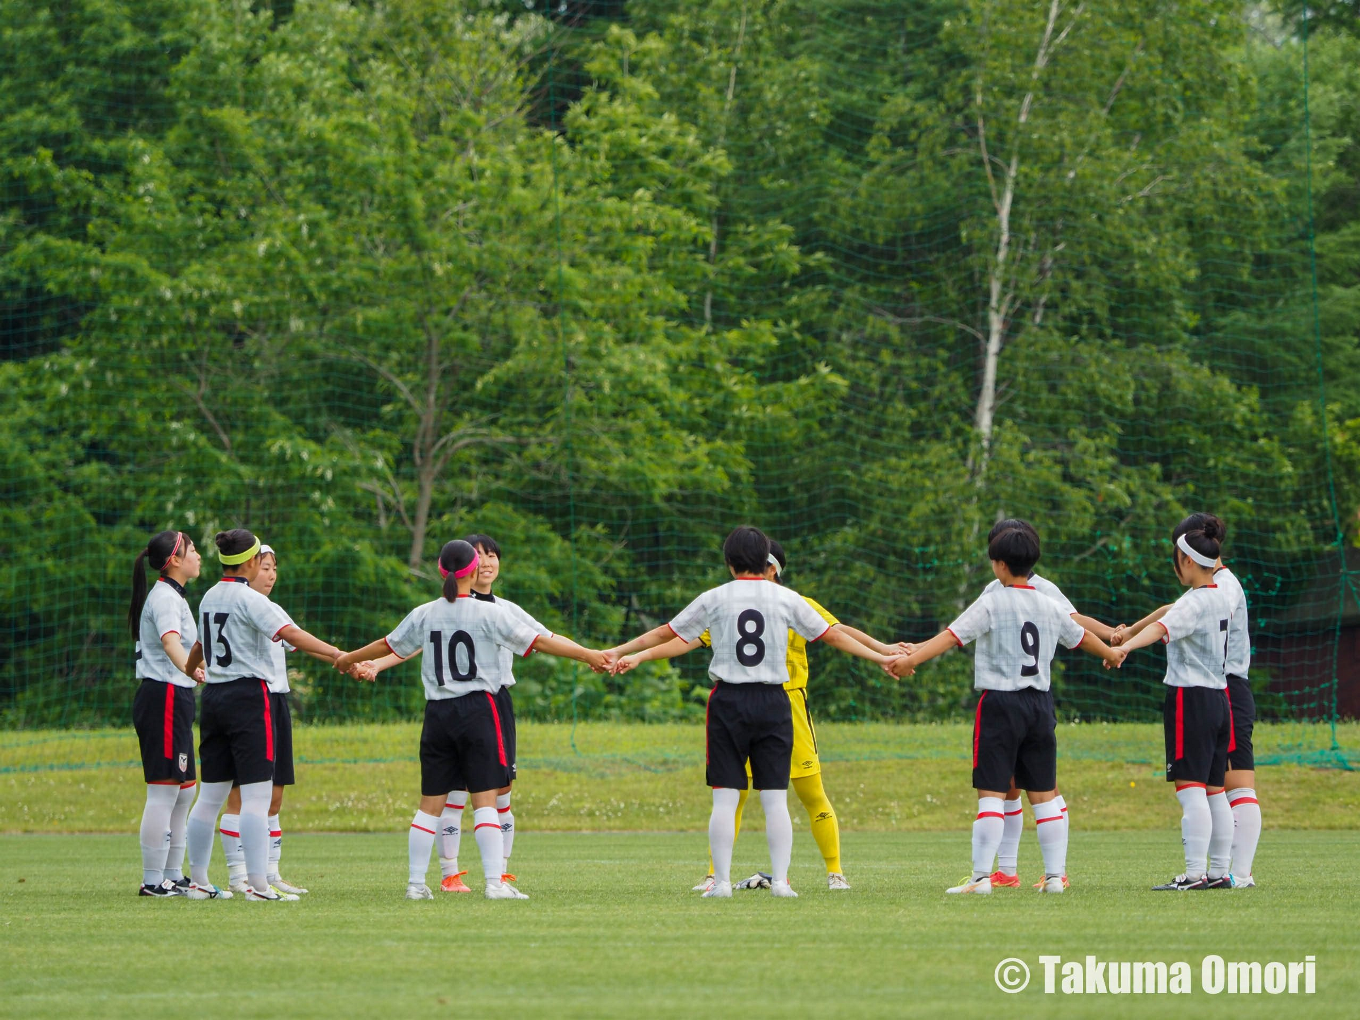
[{"x": 233, "y": 559}]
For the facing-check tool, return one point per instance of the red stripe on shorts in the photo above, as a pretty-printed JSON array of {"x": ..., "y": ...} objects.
[
  {"x": 169, "y": 720},
  {"x": 977, "y": 726},
  {"x": 1180, "y": 723},
  {"x": 1232, "y": 730},
  {"x": 500, "y": 741},
  {"x": 268, "y": 724}
]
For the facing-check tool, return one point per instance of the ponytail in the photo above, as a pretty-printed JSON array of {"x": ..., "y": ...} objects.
[
  {"x": 1203, "y": 532},
  {"x": 163, "y": 547},
  {"x": 457, "y": 559}
]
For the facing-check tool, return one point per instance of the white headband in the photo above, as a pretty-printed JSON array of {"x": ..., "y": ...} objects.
[
  {"x": 1198, "y": 557},
  {"x": 769, "y": 558},
  {"x": 268, "y": 549}
]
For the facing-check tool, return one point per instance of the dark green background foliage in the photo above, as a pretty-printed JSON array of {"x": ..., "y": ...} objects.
[{"x": 605, "y": 280}]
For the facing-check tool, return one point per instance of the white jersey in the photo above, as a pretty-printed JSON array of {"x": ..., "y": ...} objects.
[
  {"x": 1239, "y": 634},
  {"x": 1196, "y": 638},
  {"x": 1017, "y": 630},
  {"x": 240, "y": 627},
  {"x": 749, "y": 621},
  {"x": 1044, "y": 587},
  {"x": 507, "y": 656},
  {"x": 462, "y": 641},
  {"x": 278, "y": 676},
  {"x": 165, "y": 611}
]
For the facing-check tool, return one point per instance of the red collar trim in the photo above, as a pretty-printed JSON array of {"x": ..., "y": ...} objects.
[
  {"x": 1206, "y": 586},
  {"x": 460, "y": 595},
  {"x": 748, "y": 578},
  {"x": 234, "y": 579},
  {"x": 1026, "y": 587}
]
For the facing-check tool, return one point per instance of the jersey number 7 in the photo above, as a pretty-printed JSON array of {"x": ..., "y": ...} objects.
[{"x": 224, "y": 659}]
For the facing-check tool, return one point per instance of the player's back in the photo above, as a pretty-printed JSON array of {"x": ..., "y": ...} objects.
[
  {"x": 1017, "y": 630},
  {"x": 462, "y": 642},
  {"x": 749, "y": 622}
]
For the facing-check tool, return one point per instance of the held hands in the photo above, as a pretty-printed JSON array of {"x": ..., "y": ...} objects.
[
  {"x": 1117, "y": 659},
  {"x": 364, "y": 671},
  {"x": 624, "y": 664},
  {"x": 1120, "y": 633},
  {"x": 200, "y": 677},
  {"x": 900, "y": 666}
]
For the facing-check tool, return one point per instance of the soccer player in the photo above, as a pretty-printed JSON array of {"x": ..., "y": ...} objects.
[
  {"x": 1240, "y": 777},
  {"x": 282, "y": 719},
  {"x": 1018, "y": 631},
  {"x": 1197, "y": 720},
  {"x": 236, "y": 734},
  {"x": 162, "y": 625},
  {"x": 463, "y": 737},
  {"x": 805, "y": 767},
  {"x": 749, "y": 716},
  {"x": 1007, "y": 857}
]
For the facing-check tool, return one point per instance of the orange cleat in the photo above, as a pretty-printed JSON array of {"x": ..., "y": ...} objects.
[
  {"x": 454, "y": 883},
  {"x": 1040, "y": 884},
  {"x": 1006, "y": 881}
]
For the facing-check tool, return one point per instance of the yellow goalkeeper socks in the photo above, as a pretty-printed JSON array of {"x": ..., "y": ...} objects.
[{"x": 825, "y": 830}]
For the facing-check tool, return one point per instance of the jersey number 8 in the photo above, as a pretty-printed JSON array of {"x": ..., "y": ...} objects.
[
  {"x": 750, "y": 627},
  {"x": 460, "y": 639}
]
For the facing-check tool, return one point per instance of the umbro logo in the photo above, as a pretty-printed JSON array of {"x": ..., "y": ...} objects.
[
  {"x": 1168, "y": 766},
  {"x": 450, "y": 830},
  {"x": 506, "y": 826},
  {"x": 808, "y": 764},
  {"x": 823, "y": 815}
]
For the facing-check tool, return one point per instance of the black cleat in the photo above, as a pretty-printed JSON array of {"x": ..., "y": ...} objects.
[
  {"x": 1222, "y": 882},
  {"x": 181, "y": 885},
  {"x": 165, "y": 890},
  {"x": 1184, "y": 883}
]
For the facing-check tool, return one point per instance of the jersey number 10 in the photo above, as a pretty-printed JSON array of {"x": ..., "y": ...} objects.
[{"x": 461, "y": 639}]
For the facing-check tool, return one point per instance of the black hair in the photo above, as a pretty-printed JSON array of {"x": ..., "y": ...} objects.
[
  {"x": 1018, "y": 548},
  {"x": 455, "y": 556},
  {"x": 485, "y": 542},
  {"x": 777, "y": 551},
  {"x": 1196, "y": 522},
  {"x": 1205, "y": 537},
  {"x": 158, "y": 551},
  {"x": 747, "y": 550},
  {"x": 1011, "y": 524},
  {"x": 237, "y": 540}
]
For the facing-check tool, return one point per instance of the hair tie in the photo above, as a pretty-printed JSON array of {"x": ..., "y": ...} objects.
[
  {"x": 1198, "y": 557},
  {"x": 476, "y": 559}
]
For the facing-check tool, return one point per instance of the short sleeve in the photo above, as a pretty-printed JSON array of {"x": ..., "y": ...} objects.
[
  {"x": 409, "y": 636},
  {"x": 973, "y": 622},
  {"x": 291, "y": 623},
  {"x": 166, "y": 617},
  {"x": 1180, "y": 620},
  {"x": 523, "y": 617},
  {"x": 822, "y": 611},
  {"x": 1071, "y": 633},
  {"x": 1052, "y": 591},
  {"x": 513, "y": 632},
  {"x": 268, "y": 617},
  {"x": 693, "y": 620},
  {"x": 806, "y": 620}
]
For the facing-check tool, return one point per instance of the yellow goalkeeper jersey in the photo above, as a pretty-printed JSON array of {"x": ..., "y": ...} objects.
[{"x": 796, "y": 661}]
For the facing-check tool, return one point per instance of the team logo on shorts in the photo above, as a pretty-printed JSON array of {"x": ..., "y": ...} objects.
[{"x": 183, "y": 762}]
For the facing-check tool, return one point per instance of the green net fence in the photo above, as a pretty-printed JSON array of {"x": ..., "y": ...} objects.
[{"x": 603, "y": 279}]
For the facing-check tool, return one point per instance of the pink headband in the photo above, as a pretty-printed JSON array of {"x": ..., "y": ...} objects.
[
  {"x": 179, "y": 537},
  {"x": 443, "y": 571}
]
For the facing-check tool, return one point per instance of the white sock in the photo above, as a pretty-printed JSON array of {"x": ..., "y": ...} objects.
[
  {"x": 1052, "y": 832},
  {"x": 155, "y": 831},
  {"x": 486, "y": 829},
  {"x": 179, "y": 832},
  {"x": 778, "y": 831},
  {"x": 1008, "y": 854},
  {"x": 202, "y": 825},
  {"x": 229, "y": 832},
  {"x": 1196, "y": 826},
  {"x": 255, "y": 799},
  {"x": 987, "y": 830},
  {"x": 451, "y": 832},
  {"x": 1246, "y": 830},
  {"x": 1220, "y": 834},
  {"x": 1066, "y": 826},
  {"x": 507, "y": 819},
  {"x": 722, "y": 831},
  {"x": 275, "y": 845},
  {"x": 419, "y": 843}
]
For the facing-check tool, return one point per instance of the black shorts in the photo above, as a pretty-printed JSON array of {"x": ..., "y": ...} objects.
[
  {"x": 282, "y": 718},
  {"x": 506, "y": 706},
  {"x": 749, "y": 722},
  {"x": 462, "y": 746},
  {"x": 163, "y": 715},
  {"x": 1242, "y": 709},
  {"x": 1014, "y": 736},
  {"x": 1198, "y": 727},
  {"x": 236, "y": 733}
]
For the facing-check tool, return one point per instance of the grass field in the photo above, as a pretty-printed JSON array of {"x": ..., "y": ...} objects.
[
  {"x": 611, "y": 931},
  {"x": 610, "y": 840}
]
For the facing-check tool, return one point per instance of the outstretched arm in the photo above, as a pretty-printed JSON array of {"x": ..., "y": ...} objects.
[
  {"x": 670, "y": 650},
  {"x": 345, "y": 660},
  {"x": 871, "y": 642},
  {"x": 838, "y": 637},
  {"x": 304, "y": 642},
  {"x": 1149, "y": 634},
  {"x": 654, "y": 637},
  {"x": 1092, "y": 645},
  {"x": 1103, "y": 631},
  {"x": 568, "y": 649},
  {"x": 1142, "y": 625},
  {"x": 927, "y": 650}
]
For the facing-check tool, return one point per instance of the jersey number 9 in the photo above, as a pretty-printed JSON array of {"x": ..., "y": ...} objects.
[{"x": 1029, "y": 644}]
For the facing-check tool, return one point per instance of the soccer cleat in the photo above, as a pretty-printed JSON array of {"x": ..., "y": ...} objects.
[
  {"x": 418, "y": 891},
  {"x": 164, "y": 891},
  {"x": 784, "y": 891},
  {"x": 1052, "y": 883},
  {"x": 835, "y": 880},
  {"x": 759, "y": 880},
  {"x": 1222, "y": 882},
  {"x": 720, "y": 891},
  {"x": 1242, "y": 883},
  {"x": 181, "y": 885},
  {"x": 1001, "y": 880},
  {"x": 268, "y": 895},
  {"x": 705, "y": 885},
  {"x": 1183, "y": 883},
  {"x": 455, "y": 883},
  {"x": 501, "y": 891},
  {"x": 206, "y": 892},
  {"x": 981, "y": 886},
  {"x": 239, "y": 886},
  {"x": 277, "y": 883},
  {"x": 1039, "y": 884}
]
